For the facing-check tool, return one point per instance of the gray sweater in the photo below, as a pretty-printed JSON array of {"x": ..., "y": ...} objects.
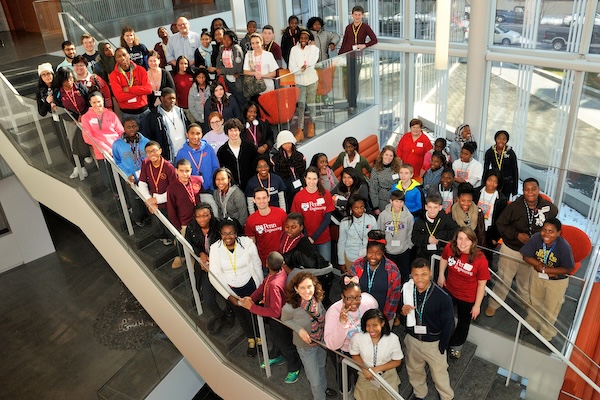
[
  {"x": 232, "y": 205},
  {"x": 297, "y": 319},
  {"x": 380, "y": 184}
]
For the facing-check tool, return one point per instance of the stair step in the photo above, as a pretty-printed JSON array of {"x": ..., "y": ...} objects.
[
  {"x": 457, "y": 368},
  {"x": 141, "y": 237},
  {"x": 477, "y": 380},
  {"x": 34, "y": 147},
  {"x": 500, "y": 392},
  {"x": 156, "y": 254},
  {"x": 176, "y": 281}
]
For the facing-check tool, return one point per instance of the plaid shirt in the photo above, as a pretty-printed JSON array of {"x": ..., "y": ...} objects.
[{"x": 394, "y": 288}]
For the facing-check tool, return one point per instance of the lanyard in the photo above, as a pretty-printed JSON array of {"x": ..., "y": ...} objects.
[
  {"x": 197, "y": 165},
  {"x": 266, "y": 284},
  {"x": 292, "y": 36},
  {"x": 71, "y": 95},
  {"x": 499, "y": 160},
  {"x": 100, "y": 120},
  {"x": 162, "y": 163},
  {"x": 370, "y": 278},
  {"x": 547, "y": 252},
  {"x": 268, "y": 183},
  {"x": 431, "y": 232},
  {"x": 190, "y": 191},
  {"x": 135, "y": 151},
  {"x": 220, "y": 107},
  {"x": 206, "y": 246},
  {"x": 418, "y": 310},
  {"x": 360, "y": 232},
  {"x": 375, "y": 354},
  {"x": 530, "y": 216},
  {"x": 234, "y": 260},
  {"x": 355, "y": 31},
  {"x": 268, "y": 48},
  {"x": 252, "y": 131},
  {"x": 396, "y": 221},
  {"x": 287, "y": 247},
  {"x": 128, "y": 75}
]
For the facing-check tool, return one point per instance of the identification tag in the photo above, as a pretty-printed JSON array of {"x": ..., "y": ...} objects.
[
  {"x": 431, "y": 247},
  {"x": 420, "y": 329},
  {"x": 132, "y": 100},
  {"x": 419, "y": 144},
  {"x": 542, "y": 275},
  {"x": 395, "y": 243},
  {"x": 297, "y": 184},
  {"x": 395, "y": 176},
  {"x": 94, "y": 121},
  {"x": 320, "y": 201},
  {"x": 157, "y": 93}
]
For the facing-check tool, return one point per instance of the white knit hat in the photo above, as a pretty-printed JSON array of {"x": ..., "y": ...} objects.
[
  {"x": 285, "y": 137},
  {"x": 45, "y": 67}
]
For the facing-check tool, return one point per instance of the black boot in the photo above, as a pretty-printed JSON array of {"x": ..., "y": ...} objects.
[
  {"x": 216, "y": 325},
  {"x": 229, "y": 320}
]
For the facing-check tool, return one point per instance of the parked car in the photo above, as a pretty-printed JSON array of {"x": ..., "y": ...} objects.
[
  {"x": 558, "y": 37},
  {"x": 578, "y": 18},
  {"x": 502, "y": 35},
  {"x": 505, "y": 36},
  {"x": 514, "y": 15}
]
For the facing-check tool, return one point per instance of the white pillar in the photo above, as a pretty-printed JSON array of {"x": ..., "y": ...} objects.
[
  {"x": 276, "y": 17},
  {"x": 476, "y": 67}
]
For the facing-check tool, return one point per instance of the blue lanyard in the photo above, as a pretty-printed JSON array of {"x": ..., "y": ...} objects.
[
  {"x": 420, "y": 311},
  {"x": 547, "y": 252},
  {"x": 370, "y": 277}
]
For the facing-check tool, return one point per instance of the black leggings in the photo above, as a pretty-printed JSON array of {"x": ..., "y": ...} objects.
[{"x": 463, "y": 308}]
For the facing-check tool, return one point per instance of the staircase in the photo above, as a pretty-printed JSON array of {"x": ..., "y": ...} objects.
[{"x": 23, "y": 74}]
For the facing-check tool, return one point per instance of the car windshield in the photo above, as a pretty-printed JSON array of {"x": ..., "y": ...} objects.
[{"x": 502, "y": 29}]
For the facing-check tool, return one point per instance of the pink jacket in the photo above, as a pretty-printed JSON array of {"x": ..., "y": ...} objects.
[
  {"x": 336, "y": 333},
  {"x": 104, "y": 129}
]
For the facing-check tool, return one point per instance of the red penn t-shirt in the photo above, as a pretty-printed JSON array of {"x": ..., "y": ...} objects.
[
  {"x": 463, "y": 276},
  {"x": 313, "y": 208}
]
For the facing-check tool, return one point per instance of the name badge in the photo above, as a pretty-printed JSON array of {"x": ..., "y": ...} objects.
[
  {"x": 132, "y": 100},
  {"x": 168, "y": 68},
  {"x": 420, "y": 329},
  {"x": 431, "y": 247},
  {"x": 395, "y": 176},
  {"x": 137, "y": 174},
  {"x": 93, "y": 120},
  {"x": 320, "y": 201},
  {"x": 395, "y": 243},
  {"x": 362, "y": 252},
  {"x": 157, "y": 93},
  {"x": 297, "y": 184},
  {"x": 419, "y": 144},
  {"x": 354, "y": 47},
  {"x": 542, "y": 275}
]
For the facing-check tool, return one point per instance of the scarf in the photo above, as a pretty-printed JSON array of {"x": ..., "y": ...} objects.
[
  {"x": 458, "y": 135},
  {"x": 468, "y": 219},
  {"x": 106, "y": 63},
  {"x": 317, "y": 320}
]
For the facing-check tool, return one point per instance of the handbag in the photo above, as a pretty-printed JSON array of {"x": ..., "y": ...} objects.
[{"x": 250, "y": 85}]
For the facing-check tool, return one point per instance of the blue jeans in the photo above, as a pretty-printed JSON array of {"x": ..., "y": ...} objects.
[
  {"x": 314, "y": 360},
  {"x": 324, "y": 250}
]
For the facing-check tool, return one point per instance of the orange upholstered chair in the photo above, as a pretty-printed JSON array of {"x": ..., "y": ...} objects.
[
  {"x": 286, "y": 79},
  {"x": 278, "y": 106},
  {"x": 580, "y": 243},
  {"x": 325, "y": 81}
]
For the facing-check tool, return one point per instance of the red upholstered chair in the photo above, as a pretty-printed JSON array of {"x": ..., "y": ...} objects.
[
  {"x": 546, "y": 197},
  {"x": 278, "y": 106},
  {"x": 580, "y": 243}
]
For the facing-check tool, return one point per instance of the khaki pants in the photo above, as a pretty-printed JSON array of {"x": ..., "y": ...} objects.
[
  {"x": 365, "y": 390},
  {"x": 508, "y": 268},
  {"x": 418, "y": 354},
  {"x": 547, "y": 298}
]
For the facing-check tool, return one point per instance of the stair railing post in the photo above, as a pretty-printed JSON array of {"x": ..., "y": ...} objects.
[
  {"x": 513, "y": 357},
  {"x": 263, "y": 338},
  {"x": 345, "y": 388},
  {"x": 190, "y": 263},
  {"x": 122, "y": 200}
]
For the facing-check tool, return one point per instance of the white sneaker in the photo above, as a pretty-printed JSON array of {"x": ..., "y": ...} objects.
[
  {"x": 74, "y": 174},
  {"x": 88, "y": 160},
  {"x": 84, "y": 172}
]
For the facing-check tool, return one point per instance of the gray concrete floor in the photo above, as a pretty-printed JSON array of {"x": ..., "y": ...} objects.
[{"x": 47, "y": 313}]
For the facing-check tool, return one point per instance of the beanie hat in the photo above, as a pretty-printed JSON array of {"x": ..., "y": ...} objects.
[
  {"x": 45, "y": 67},
  {"x": 285, "y": 137}
]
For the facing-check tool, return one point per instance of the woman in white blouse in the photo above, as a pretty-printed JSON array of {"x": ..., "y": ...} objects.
[
  {"x": 234, "y": 262},
  {"x": 260, "y": 63}
]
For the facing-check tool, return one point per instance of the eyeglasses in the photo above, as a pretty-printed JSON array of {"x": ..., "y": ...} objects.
[
  {"x": 262, "y": 167},
  {"x": 152, "y": 151},
  {"x": 353, "y": 298},
  {"x": 216, "y": 122},
  {"x": 232, "y": 233}
]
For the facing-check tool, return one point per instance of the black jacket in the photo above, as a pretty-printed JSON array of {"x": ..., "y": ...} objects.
[
  {"x": 266, "y": 134},
  {"x": 155, "y": 128},
  {"x": 420, "y": 234},
  {"x": 499, "y": 206},
  {"x": 242, "y": 166},
  {"x": 305, "y": 255}
]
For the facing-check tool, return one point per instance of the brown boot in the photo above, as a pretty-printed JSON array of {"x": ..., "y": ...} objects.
[
  {"x": 310, "y": 130},
  {"x": 299, "y": 135}
]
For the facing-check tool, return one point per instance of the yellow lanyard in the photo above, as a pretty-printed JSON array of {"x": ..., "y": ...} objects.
[
  {"x": 499, "y": 163},
  {"x": 434, "y": 229},
  {"x": 396, "y": 221},
  {"x": 234, "y": 260},
  {"x": 355, "y": 31}
]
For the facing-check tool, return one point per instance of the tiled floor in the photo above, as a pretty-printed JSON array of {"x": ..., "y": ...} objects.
[{"x": 47, "y": 313}]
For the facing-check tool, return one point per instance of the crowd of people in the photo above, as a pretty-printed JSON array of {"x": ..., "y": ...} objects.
[{"x": 182, "y": 123}]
